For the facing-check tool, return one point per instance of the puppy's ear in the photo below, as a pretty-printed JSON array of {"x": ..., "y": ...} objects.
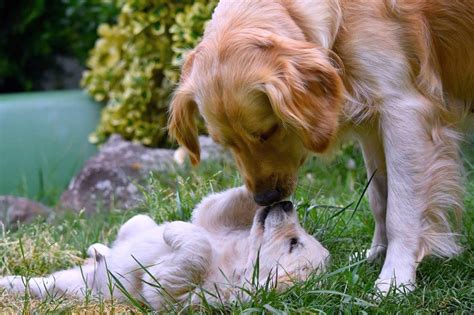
[
  {"x": 182, "y": 119},
  {"x": 306, "y": 92}
]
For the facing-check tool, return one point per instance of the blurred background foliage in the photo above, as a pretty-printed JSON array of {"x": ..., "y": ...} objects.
[
  {"x": 131, "y": 50},
  {"x": 135, "y": 65},
  {"x": 33, "y": 33}
]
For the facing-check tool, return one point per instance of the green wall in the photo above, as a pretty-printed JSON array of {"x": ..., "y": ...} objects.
[{"x": 43, "y": 141}]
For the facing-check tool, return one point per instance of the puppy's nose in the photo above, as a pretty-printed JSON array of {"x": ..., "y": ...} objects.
[
  {"x": 268, "y": 197},
  {"x": 287, "y": 206}
]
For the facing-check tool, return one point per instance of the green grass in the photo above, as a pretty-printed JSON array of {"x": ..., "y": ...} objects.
[{"x": 325, "y": 191}]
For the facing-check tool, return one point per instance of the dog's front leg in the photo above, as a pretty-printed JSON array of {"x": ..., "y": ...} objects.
[
  {"x": 404, "y": 140},
  {"x": 374, "y": 159},
  {"x": 423, "y": 177}
]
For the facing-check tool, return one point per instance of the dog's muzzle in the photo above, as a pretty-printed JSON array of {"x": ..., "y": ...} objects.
[{"x": 268, "y": 197}]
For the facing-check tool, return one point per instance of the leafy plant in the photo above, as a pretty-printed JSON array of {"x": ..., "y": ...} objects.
[{"x": 135, "y": 64}]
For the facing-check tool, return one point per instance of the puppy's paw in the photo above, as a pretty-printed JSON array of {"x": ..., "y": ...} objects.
[
  {"x": 180, "y": 156},
  {"x": 177, "y": 233},
  {"x": 98, "y": 251},
  {"x": 13, "y": 284},
  {"x": 6, "y": 283},
  {"x": 135, "y": 225}
]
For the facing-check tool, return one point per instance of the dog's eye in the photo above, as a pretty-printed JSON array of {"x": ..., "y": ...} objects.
[
  {"x": 267, "y": 134},
  {"x": 293, "y": 243}
]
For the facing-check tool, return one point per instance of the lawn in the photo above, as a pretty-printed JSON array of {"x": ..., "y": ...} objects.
[{"x": 328, "y": 204}]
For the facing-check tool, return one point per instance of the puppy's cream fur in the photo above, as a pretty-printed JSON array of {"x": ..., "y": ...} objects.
[
  {"x": 217, "y": 253},
  {"x": 276, "y": 80}
]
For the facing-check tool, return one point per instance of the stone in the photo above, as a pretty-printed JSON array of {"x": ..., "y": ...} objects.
[
  {"x": 117, "y": 175},
  {"x": 112, "y": 178},
  {"x": 15, "y": 210}
]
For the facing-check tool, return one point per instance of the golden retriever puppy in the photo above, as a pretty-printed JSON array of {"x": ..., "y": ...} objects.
[
  {"x": 276, "y": 80},
  {"x": 176, "y": 262}
]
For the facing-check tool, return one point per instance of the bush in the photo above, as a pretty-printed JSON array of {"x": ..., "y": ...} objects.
[
  {"x": 33, "y": 33},
  {"x": 135, "y": 64}
]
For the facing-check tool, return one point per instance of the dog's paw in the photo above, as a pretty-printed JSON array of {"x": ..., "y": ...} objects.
[
  {"x": 135, "y": 225},
  {"x": 385, "y": 286},
  {"x": 180, "y": 156},
  {"x": 178, "y": 232},
  {"x": 97, "y": 251},
  {"x": 13, "y": 284},
  {"x": 6, "y": 283}
]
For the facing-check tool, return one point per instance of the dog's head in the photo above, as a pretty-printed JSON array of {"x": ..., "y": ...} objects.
[
  {"x": 271, "y": 100},
  {"x": 285, "y": 250}
]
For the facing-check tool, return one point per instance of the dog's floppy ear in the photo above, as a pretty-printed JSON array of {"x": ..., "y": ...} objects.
[
  {"x": 182, "y": 119},
  {"x": 306, "y": 92}
]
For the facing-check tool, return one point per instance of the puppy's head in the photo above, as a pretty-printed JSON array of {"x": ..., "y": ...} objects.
[
  {"x": 270, "y": 100},
  {"x": 286, "y": 251}
]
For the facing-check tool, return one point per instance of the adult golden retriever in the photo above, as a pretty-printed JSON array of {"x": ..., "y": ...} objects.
[
  {"x": 278, "y": 79},
  {"x": 178, "y": 262}
]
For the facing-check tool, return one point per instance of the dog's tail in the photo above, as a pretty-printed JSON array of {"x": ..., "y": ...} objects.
[{"x": 72, "y": 282}]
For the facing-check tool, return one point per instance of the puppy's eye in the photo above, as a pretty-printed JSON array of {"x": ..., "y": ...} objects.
[
  {"x": 293, "y": 243},
  {"x": 267, "y": 134}
]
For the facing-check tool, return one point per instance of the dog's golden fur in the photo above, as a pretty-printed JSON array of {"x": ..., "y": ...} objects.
[{"x": 278, "y": 79}]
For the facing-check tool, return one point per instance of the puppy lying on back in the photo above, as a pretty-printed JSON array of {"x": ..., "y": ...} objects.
[{"x": 172, "y": 262}]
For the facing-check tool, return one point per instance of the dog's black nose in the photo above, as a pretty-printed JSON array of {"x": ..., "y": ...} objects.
[{"x": 268, "y": 197}]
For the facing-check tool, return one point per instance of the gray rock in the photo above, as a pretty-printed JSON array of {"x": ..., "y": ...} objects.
[
  {"x": 117, "y": 175},
  {"x": 211, "y": 150},
  {"x": 14, "y": 210},
  {"x": 112, "y": 178}
]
